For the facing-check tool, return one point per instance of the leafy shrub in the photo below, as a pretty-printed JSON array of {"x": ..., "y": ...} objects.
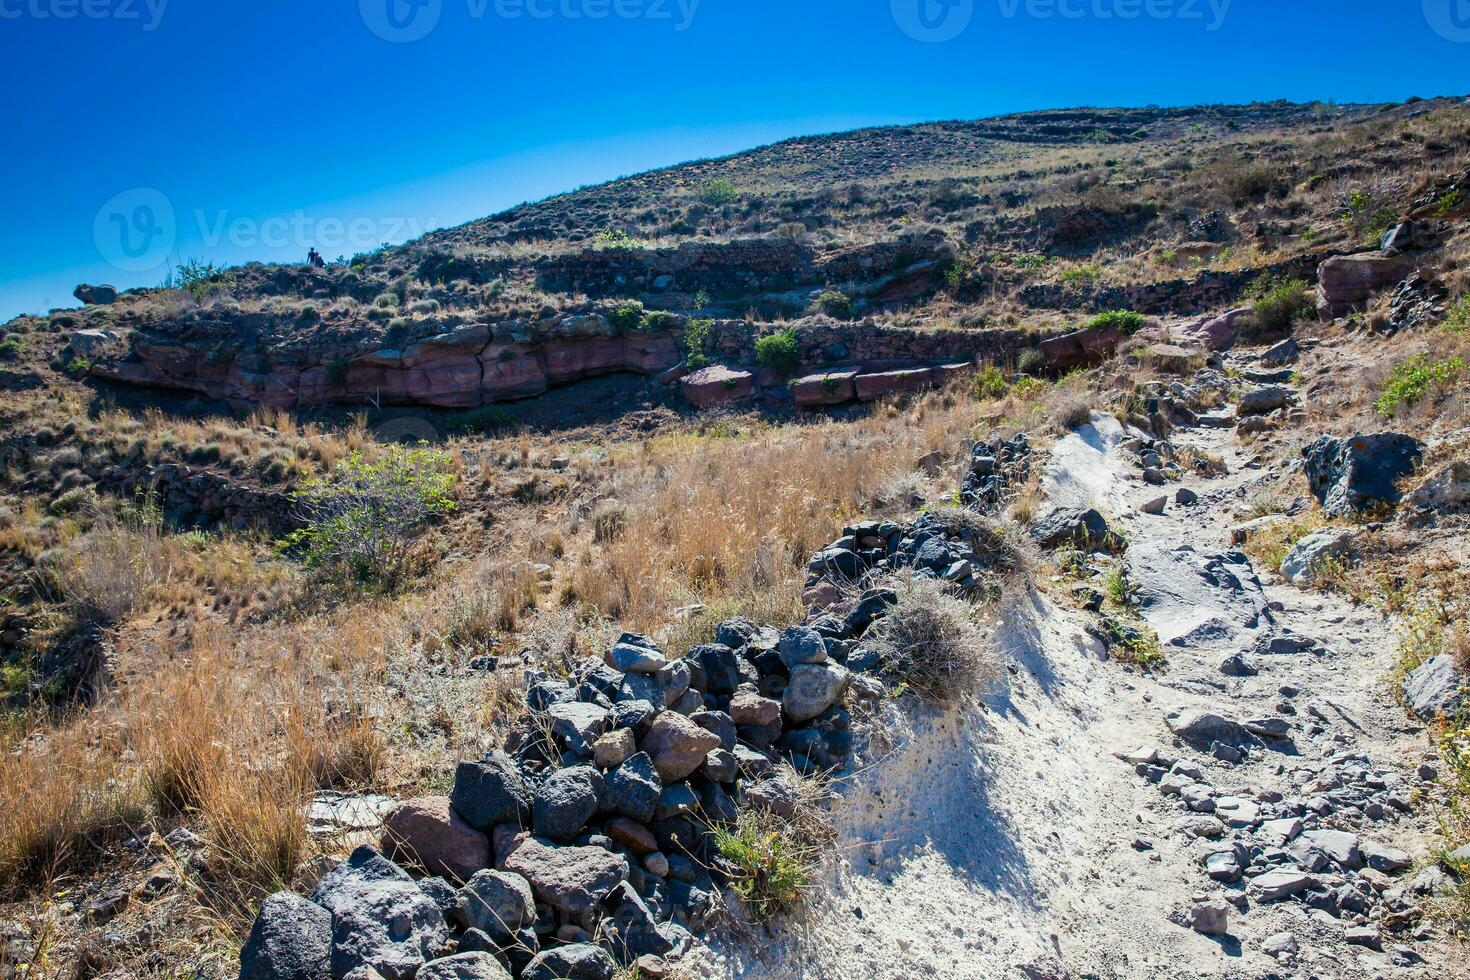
[
  {"x": 951, "y": 195},
  {"x": 424, "y": 306},
  {"x": 695, "y": 336},
  {"x": 386, "y": 300},
  {"x": 362, "y": 517},
  {"x": 835, "y": 303},
  {"x": 1414, "y": 378},
  {"x": 199, "y": 279},
  {"x": 626, "y": 317},
  {"x": 1126, "y": 322},
  {"x": 1458, "y": 320},
  {"x": 1279, "y": 303},
  {"x": 11, "y": 349},
  {"x": 718, "y": 191},
  {"x": 78, "y": 367},
  {"x": 616, "y": 239},
  {"x": 990, "y": 384},
  {"x": 779, "y": 351},
  {"x": 769, "y": 862}
]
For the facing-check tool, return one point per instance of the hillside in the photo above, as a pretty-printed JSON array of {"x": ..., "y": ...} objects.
[{"x": 1033, "y": 547}]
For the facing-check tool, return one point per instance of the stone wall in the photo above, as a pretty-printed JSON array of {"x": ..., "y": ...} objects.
[
  {"x": 1210, "y": 290},
  {"x": 825, "y": 343},
  {"x": 191, "y": 497}
]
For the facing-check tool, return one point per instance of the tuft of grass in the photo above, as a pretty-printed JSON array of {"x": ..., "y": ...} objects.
[
  {"x": 770, "y": 869},
  {"x": 929, "y": 643}
]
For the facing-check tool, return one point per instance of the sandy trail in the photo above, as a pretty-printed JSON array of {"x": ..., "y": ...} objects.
[{"x": 999, "y": 840}]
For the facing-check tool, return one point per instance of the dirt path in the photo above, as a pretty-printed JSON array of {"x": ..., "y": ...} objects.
[{"x": 1009, "y": 840}]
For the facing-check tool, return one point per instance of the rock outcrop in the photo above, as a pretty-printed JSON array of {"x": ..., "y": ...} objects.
[{"x": 1346, "y": 282}]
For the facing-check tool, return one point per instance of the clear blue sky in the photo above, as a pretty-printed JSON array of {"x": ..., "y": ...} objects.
[{"x": 239, "y": 111}]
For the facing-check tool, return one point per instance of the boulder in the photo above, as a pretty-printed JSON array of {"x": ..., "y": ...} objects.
[
  {"x": 1081, "y": 348},
  {"x": 290, "y": 940},
  {"x": 429, "y": 834},
  {"x": 1210, "y": 917},
  {"x": 1203, "y": 727},
  {"x": 498, "y": 903},
  {"x": 677, "y": 746},
  {"x": 88, "y": 343},
  {"x": 490, "y": 792},
  {"x": 717, "y": 385},
  {"x": 1217, "y": 333},
  {"x": 1305, "y": 560},
  {"x": 1276, "y": 885},
  {"x": 380, "y": 918},
  {"x": 614, "y": 748},
  {"x": 748, "y": 708},
  {"x": 565, "y": 801},
  {"x": 464, "y": 966},
  {"x": 633, "y": 789},
  {"x": 1360, "y": 472},
  {"x": 830, "y": 388},
  {"x": 578, "y": 961},
  {"x": 1264, "y": 399},
  {"x": 578, "y": 724},
  {"x": 1436, "y": 687},
  {"x": 813, "y": 689},
  {"x": 1345, "y": 282},
  {"x": 1082, "y": 527},
  {"x": 572, "y": 879},
  {"x": 102, "y": 295},
  {"x": 871, "y": 387}
]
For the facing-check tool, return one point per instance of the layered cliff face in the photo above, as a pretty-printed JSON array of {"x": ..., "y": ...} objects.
[{"x": 470, "y": 366}]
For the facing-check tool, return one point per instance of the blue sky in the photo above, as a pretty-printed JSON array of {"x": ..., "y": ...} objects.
[{"x": 269, "y": 126}]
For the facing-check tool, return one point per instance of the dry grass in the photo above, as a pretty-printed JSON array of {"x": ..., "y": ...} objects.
[{"x": 931, "y": 643}]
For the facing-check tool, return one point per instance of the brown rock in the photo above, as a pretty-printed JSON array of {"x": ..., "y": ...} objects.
[
  {"x": 717, "y": 385},
  {"x": 632, "y": 835},
  {"x": 1347, "y": 281},
  {"x": 678, "y": 746},
  {"x": 749, "y": 708},
  {"x": 831, "y": 388},
  {"x": 572, "y": 879},
  {"x": 873, "y": 386},
  {"x": 427, "y": 833}
]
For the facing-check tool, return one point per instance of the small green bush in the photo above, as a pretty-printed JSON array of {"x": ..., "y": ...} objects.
[
  {"x": 779, "y": 351},
  {"x": 1032, "y": 361},
  {"x": 718, "y": 191},
  {"x": 769, "y": 864},
  {"x": 11, "y": 349},
  {"x": 835, "y": 303},
  {"x": 626, "y": 317},
  {"x": 695, "y": 336},
  {"x": 1458, "y": 320},
  {"x": 1088, "y": 272},
  {"x": 1414, "y": 378},
  {"x": 386, "y": 300},
  {"x": 612, "y": 238},
  {"x": 990, "y": 384},
  {"x": 1279, "y": 303},
  {"x": 1126, "y": 322},
  {"x": 362, "y": 517},
  {"x": 658, "y": 321}
]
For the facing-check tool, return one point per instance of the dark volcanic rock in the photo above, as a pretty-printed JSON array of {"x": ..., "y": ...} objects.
[
  {"x": 291, "y": 940},
  {"x": 1360, "y": 472}
]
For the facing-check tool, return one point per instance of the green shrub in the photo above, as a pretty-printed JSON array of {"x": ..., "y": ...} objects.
[
  {"x": 78, "y": 367},
  {"x": 718, "y": 191},
  {"x": 386, "y": 300},
  {"x": 1458, "y": 319},
  {"x": 1031, "y": 361},
  {"x": 695, "y": 336},
  {"x": 1126, "y": 322},
  {"x": 1088, "y": 272},
  {"x": 612, "y": 238},
  {"x": 199, "y": 279},
  {"x": 658, "y": 321},
  {"x": 626, "y": 317},
  {"x": 11, "y": 349},
  {"x": 1414, "y": 378},
  {"x": 990, "y": 384},
  {"x": 835, "y": 303},
  {"x": 1279, "y": 303},
  {"x": 779, "y": 351},
  {"x": 769, "y": 865},
  {"x": 362, "y": 517}
]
